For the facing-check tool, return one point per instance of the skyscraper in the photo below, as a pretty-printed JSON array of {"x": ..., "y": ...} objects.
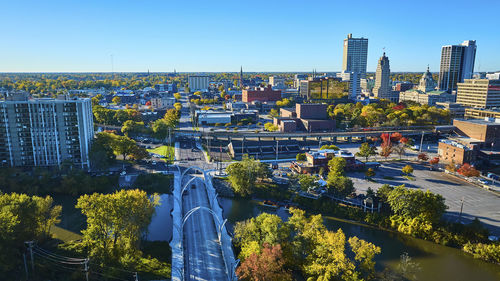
[
  {"x": 382, "y": 89},
  {"x": 457, "y": 64},
  {"x": 355, "y": 53},
  {"x": 354, "y": 63}
]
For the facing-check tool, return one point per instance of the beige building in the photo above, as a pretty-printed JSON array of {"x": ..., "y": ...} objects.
[
  {"x": 477, "y": 113},
  {"x": 479, "y": 93},
  {"x": 383, "y": 89}
]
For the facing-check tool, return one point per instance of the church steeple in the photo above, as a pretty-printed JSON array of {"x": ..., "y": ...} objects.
[{"x": 241, "y": 77}]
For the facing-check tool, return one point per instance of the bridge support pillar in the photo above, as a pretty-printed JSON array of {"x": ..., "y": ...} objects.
[
  {"x": 289, "y": 138},
  {"x": 229, "y": 139},
  {"x": 363, "y": 139},
  {"x": 349, "y": 139},
  {"x": 244, "y": 138},
  {"x": 334, "y": 139},
  {"x": 258, "y": 138},
  {"x": 274, "y": 138}
]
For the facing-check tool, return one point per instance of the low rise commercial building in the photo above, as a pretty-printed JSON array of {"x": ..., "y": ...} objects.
[
  {"x": 162, "y": 102},
  {"x": 309, "y": 117},
  {"x": 456, "y": 110},
  {"x": 474, "y": 136},
  {"x": 478, "y": 113},
  {"x": 262, "y": 94},
  {"x": 318, "y": 160}
]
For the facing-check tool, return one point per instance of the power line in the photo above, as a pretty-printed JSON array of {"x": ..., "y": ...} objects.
[{"x": 56, "y": 255}]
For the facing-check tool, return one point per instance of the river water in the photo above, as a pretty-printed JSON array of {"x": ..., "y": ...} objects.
[{"x": 437, "y": 263}]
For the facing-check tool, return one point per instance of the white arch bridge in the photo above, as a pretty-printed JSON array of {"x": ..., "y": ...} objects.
[{"x": 201, "y": 245}]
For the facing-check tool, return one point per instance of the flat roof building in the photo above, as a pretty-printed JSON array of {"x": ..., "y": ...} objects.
[
  {"x": 457, "y": 64},
  {"x": 261, "y": 94},
  {"x": 479, "y": 93},
  {"x": 45, "y": 132}
]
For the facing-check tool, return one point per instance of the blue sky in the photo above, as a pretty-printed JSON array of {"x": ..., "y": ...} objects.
[{"x": 81, "y": 35}]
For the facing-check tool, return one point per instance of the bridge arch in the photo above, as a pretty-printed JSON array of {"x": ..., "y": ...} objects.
[
  {"x": 220, "y": 225},
  {"x": 193, "y": 168}
]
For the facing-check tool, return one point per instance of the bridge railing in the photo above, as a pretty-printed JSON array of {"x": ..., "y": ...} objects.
[{"x": 226, "y": 240}]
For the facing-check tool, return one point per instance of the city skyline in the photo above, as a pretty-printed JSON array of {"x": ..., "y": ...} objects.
[{"x": 275, "y": 37}]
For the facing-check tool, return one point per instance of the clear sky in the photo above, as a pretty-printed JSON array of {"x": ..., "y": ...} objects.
[{"x": 160, "y": 35}]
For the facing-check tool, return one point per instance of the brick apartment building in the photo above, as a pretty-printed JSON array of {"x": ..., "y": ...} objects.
[
  {"x": 478, "y": 142},
  {"x": 309, "y": 117},
  {"x": 261, "y": 94}
]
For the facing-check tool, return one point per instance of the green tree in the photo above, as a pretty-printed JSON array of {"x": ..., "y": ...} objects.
[
  {"x": 245, "y": 173},
  {"x": 330, "y": 146},
  {"x": 301, "y": 157},
  {"x": 252, "y": 234},
  {"x": 131, "y": 127},
  {"x": 172, "y": 117},
  {"x": 177, "y": 96},
  {"x": 413, "y": 203},
  {"x": 408, "y": 169},
  {"x": 270, "y": 127},
  {"x": 307, "y": 182},
  {"x": 160, "y": 129},
  {"x": 115, "y": 222},
  {"x": 101, "y": 151},
  {"x": 336, "y": 167},
  {"x": 23, "y": 218},
  {"x": 366, "y": 150},
  {"x": 123, "y": 146}
]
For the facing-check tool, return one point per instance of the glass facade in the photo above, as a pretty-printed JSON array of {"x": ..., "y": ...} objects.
[{"x": 328, "y": 89}]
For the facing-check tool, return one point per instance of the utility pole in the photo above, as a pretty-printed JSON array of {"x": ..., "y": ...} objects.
[
  {"x": 277, "y": 150},
  {"x": 25, "y": 265},
  {"x": 30, "y": 247},
  {"x": 421, "y": 141},
  {"x": 86, "y": 263},
  {"x": 136, "y": 277}
]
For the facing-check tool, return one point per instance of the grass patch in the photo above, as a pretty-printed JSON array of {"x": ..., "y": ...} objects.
[
  {"x": 63, "y": 234},
  {"x": 164, "y": 150},
  {"x": 155, "y": 183}
]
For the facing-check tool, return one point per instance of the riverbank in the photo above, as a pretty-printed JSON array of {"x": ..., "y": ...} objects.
[{"x": 433, "y": 259}]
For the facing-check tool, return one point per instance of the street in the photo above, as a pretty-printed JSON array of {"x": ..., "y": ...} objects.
[{"x": 477, "y": 202}]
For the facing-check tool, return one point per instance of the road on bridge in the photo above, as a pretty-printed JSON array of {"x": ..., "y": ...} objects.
[{"x": 203, "y": 258}]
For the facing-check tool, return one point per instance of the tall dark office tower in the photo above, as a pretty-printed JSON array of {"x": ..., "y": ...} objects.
[{"x": 457, "y": 64}]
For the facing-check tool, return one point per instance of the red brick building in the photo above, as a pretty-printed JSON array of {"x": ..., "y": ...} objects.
[{"x": 261, "y": 94}]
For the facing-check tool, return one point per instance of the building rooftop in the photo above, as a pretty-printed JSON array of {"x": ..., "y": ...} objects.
[{"x": 485, "y": 121}]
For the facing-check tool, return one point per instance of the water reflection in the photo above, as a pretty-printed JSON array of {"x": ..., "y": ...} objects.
[{"x": 437, "y": 262}]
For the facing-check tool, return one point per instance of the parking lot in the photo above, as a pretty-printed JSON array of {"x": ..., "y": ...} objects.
[{"x": 477, "y": 202}]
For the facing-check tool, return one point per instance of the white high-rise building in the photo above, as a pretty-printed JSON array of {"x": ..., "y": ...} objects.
[
  {"x": 354, "y": 62},
  {"x": 198, "y": 82},
  {"x": 355, "y": 55},
  {"x": 383, "y": 89}
]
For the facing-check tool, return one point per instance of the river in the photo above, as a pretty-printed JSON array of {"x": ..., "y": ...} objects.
[{"x": 437, "y": 263}]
